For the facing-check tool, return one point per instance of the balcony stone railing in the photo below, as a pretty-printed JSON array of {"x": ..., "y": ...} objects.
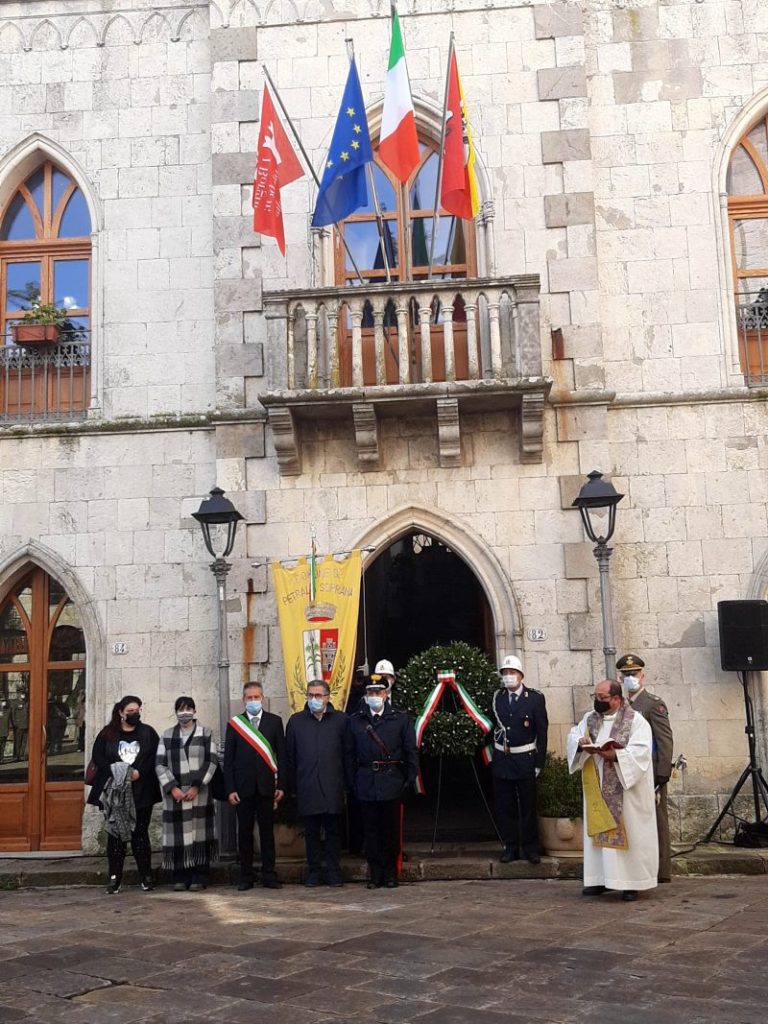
[
  {"x": 45, "y": 382},
  {"x": 403, "y": 348}
]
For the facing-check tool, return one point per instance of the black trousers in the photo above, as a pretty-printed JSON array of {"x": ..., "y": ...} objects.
[
  {"x": 140, "y": 846},
  {"x": 322, "y": 839},
  {"x": 256, "y": 809},
  {"x": 381, "y": 830},
  {"x": 515, "y": 804}
]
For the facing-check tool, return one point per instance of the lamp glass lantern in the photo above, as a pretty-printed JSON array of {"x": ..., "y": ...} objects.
[
  {"x": 216, "y": 510},
  {"x": 597, "y": 495}
]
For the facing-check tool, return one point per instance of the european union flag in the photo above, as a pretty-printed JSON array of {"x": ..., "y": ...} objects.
[{"x": 343, "y": 187}]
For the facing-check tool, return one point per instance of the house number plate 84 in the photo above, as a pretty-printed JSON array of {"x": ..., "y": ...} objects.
[{"x": 120, "y": 647}]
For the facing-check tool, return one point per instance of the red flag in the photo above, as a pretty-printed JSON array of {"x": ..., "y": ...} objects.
[
  {"x": 276, "y": 166},
  {"x": 459, "y": 193}
]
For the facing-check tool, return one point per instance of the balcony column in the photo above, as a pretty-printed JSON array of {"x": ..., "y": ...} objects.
[
  {"x": 495, "y": 329},
  {"x": 448, "y": 348},
  {"x": 425, "y": 330},
  {"x": 333, "y": 347},
  {"x": 356, "y": 315},
  {"x": 403, "y": 348},
  {"x": 470, "y": 308},
  {"x": 379, "y": 309},
  {"x": 311, "y": 321},
  {"x": 291, "y": 347}
]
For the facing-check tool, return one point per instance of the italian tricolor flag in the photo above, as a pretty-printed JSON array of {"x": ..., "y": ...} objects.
[{"x": 398, "y": 141}]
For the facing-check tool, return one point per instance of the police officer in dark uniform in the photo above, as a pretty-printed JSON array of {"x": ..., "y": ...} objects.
[
  {"x": 631, "y": 670},
  {"x": 385, "y": 763},
  {"x": 519, "y": 750}
]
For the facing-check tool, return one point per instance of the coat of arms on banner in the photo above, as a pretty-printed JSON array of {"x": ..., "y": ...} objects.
[{"x": 320, "y": 647}]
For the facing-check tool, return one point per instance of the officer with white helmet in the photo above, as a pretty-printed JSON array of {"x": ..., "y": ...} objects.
[
  {"x": 519, "y": 750},
  {"x": 386, "y": 670}
]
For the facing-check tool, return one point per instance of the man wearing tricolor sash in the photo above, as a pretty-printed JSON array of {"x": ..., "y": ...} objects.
[
  {"x": 612, "y": 746},
  {"x": 254, "y": 762},
  {"x": 519, "y": 750}
]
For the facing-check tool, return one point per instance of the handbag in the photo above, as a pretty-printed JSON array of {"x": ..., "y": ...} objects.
[{"x": 91, "y": 771}]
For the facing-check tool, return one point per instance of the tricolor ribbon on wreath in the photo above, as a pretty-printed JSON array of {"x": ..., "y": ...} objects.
[
  {"x": 446, "y": 680},
  {"x": 242, "y": 725}
]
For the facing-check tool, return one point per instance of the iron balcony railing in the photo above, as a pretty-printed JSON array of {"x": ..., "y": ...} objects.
[
  {"x": 44, "y": 381},
  {"x": 405, "y": 333},
  {"x": 752, "y": 322}
]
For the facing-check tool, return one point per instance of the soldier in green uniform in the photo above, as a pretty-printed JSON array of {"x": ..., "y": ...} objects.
[{"x": 654, "y": 711}]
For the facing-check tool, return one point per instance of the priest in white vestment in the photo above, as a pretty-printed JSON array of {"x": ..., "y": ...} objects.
[{"x": 620, "y": 841}]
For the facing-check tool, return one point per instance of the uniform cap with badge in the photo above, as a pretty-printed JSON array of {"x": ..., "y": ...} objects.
[
  {"x": 630, "y": 663},
  {"x": 511, "y": 663}
]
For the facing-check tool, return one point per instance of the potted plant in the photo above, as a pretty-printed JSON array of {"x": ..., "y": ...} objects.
[
  {"x": 560, "y": 807},
  {"x": 42, "y": 323}
]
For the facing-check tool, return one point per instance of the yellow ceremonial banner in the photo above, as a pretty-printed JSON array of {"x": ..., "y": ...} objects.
[
  {"x": 599, "y": 818},
  {"x": 319, "y": 633}
]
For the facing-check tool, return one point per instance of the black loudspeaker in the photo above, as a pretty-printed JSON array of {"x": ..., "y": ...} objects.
[{"x": 743, "y": 635}]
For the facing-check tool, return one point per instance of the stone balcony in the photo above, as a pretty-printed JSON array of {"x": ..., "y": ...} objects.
[{"x": 431, "y": 349}]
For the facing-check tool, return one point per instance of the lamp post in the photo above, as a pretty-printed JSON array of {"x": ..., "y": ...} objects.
[
  {"x": 215, "y": 511},
  {"x": 598, "y": 495}
]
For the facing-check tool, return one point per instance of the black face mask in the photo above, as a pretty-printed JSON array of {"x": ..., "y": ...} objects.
[
  {"x": 602, "y": 706},
  {"x": 133, "y": 719}
]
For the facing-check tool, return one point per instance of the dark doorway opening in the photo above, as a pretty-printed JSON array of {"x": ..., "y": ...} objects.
[{"x": 418, "y": 593}]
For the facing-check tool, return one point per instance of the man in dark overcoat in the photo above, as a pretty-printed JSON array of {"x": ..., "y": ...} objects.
[
  {"x": 519, "y": 752},
  {"x": 318, "y": 755},
  {"x": 386, "y": 763},
  {"x": 631, "y": 670},
  {"x": 254, "y": 786}
]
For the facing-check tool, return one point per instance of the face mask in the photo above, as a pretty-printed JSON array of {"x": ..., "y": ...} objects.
[
  {"x": 133, "y": 719},
  {"x": 315, "y": 704},
  {"x": 253, "y": 707},
  {"x": 511, "y": 683},
  {"x": 631, "y": 684},
  {"x": 602, "y": 706},
  {"x": 185, "y": 717},
  {"x": 375, "y": 703}
]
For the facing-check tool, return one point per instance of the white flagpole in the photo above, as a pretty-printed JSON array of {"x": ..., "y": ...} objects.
[{"x": 439, "y": 181}]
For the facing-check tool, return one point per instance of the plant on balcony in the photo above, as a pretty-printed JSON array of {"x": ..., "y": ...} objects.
[{"x": 44, "y": 322}]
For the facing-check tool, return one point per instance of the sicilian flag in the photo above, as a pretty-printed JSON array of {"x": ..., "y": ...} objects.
[
  {"x": 459, "y": 193},
  {"x": 398, "y": 141},
  {"x": 276, "y": 166}
]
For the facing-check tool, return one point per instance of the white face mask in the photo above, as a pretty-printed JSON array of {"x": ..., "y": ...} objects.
[
  {"x": 375, "y": 703},
  {"x": 631, "y": 684},
  {"x": 512, "y": 682}
]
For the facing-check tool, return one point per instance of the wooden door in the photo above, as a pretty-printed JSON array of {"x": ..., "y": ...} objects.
[{"x": 42, "y": 717}]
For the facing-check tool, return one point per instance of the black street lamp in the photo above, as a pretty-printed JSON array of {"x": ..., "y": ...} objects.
[
  {"x": 214, "y": 511},
  {"x": 598, "y": 495}
]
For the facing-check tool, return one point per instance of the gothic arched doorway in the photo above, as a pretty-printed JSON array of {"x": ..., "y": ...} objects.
[
  {"x": 42, "y": 716},
  {"x": 418, "y": 593}
]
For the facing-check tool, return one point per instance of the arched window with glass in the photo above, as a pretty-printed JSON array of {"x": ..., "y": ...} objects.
[
  {"x": 747, "y": 187},
  {"x": 45, "y": 280},
  {"x": 403, "y": 249}
]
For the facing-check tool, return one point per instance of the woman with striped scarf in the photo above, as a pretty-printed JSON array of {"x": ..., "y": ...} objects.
[{"x": 186, "y": 763}]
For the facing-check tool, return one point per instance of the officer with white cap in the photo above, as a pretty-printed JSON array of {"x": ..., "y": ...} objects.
[
  {"x": 385, "y": 671},
  {"x": 519, "y": 751}
]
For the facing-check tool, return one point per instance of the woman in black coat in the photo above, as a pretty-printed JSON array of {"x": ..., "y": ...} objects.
[{"x": 126, "y": 739}]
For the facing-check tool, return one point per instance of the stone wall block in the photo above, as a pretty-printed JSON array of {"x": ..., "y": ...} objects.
[
  {"x": 562, "y": 210},
  {"x": 237, "y": 296},
  {"x": 560, "y": 83},
  {"x": 569, "y": 489},
  {"x": 573, "y": 275},
  {"x": 235, "y": 106},
  {"x": 240, "y": 441},
  {"x": 233, "y": 168},
  {"x": 582, "y": 423},
  {"x": 234, "y": 232},
  {"x": 572, "y": 144},
  {"x": 241, "y": 360},
  {"x": 585, "y": 631},
  {"x": 556, "y": 20},
  {"x": 580, "y": 562},
  {"x": 234, "y": 44}
]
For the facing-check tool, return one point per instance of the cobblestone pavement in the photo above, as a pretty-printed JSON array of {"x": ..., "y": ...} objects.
[{"x": 501, "y": 952}]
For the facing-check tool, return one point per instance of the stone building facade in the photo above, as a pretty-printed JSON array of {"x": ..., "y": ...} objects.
[{"x": 601, "y": 301}]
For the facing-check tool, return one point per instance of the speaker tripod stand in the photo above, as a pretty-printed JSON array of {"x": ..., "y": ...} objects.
[{"x": 751, "y": 772}]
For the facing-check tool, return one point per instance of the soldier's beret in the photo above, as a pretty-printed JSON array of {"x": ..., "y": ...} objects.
[{"x": 630, "y": 663}]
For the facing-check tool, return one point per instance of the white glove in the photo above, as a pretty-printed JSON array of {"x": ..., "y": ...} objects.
[{"x": 538, "y": 772}]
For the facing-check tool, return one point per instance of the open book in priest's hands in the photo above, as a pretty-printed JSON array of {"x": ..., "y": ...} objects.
[{"x": 595, "y": 748}]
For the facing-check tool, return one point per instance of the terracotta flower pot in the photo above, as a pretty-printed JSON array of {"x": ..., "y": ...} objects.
[
  {"x": 562, "y": 837},
  {"x": 35, "y": 334}
]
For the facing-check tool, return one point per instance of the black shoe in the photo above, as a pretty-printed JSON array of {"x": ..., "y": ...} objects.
[
  {"x": 113, "y": 886},
  {"x": 197, "y": 887},
  {"x": 180, "y": 887},
  {"x": 629, "y": 895},
  {"x": 244, "y": 886},
  {"x": 509, "y": 854},
  {"x": 337, "y": 883},
  {"x": 391, "y": 883},
  {"x": 593, "y": 890},
  {"x": 271, "y": 883},
  {"x": 533, "y": 858},
  {"x": 312, "y": 882},
  {"x": 663, "y": 880},
  {"x": 147, "y": 885}
]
